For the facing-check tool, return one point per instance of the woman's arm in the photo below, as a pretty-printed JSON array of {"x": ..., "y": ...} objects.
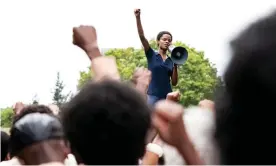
[
  {"x": 174, "y": 77},
  {"x": 144, "y": 41}
]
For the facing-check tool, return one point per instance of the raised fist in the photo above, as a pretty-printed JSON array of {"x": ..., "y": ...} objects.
[
  {"x": 168, "y": 121},
  {"x": 173, "y": 96},
  {"x": 137, "y": 12},
  {"x": 85, "y": 37}
]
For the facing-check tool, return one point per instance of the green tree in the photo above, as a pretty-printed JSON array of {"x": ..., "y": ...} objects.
[
  {"x": 58, "y": 96},
  {"x": 84, "y": 77},
  {"x": 197, "y": 78},
  {"x": 6, "y": 117}
]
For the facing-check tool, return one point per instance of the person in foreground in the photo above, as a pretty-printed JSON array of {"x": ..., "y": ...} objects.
[
  {"x": 245, "y": 115},
  {"x": 37, "y": 137},
  {"x": 107, "y": 125},
  {"x": 163, "y": 70},
  {"x": 107, "y": 121}
]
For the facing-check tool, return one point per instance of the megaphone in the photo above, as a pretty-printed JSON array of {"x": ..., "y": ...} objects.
[{"x": 179, "y": 55}]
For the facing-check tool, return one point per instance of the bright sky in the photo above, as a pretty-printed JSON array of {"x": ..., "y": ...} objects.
[{"x": 36, "y": 36}]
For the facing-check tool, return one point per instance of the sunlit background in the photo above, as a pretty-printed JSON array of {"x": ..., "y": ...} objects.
[{"x": 35, "y": 36}]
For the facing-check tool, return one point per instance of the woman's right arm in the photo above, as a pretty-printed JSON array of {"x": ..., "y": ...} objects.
[{"x": 144, "y": 41}]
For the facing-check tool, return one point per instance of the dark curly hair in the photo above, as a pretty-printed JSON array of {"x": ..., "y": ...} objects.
[
  {"x": 32, "y": 109},
  {"x": 106, "y": 123},
  {"x": 245, "y": 109},
  {"x": 160, "y": 34}
]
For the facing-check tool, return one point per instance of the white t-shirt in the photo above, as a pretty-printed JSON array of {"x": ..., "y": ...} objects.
[{"x": 13, "y": 161}]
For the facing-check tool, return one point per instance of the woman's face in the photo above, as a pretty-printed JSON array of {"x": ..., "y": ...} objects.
[{"x": 165, "y": 41}]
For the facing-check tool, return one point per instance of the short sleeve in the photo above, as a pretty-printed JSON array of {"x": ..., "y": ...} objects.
[{"x": 149, "y": 53}]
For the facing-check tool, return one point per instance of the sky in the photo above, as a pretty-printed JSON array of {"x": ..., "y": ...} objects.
[{"x": 36, "y": 36}]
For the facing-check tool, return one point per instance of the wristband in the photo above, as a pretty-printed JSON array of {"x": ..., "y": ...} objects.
[{"x": 154, "y": 148}]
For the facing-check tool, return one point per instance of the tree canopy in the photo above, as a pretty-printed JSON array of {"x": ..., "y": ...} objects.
[
  {"x": 197, "y": 78},
  {"x": 6, "y": 117}
]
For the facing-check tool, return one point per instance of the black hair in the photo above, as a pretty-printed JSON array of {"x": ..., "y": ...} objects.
[
  {"x": 245, "y": 111},
  {"x": 106, "y": 123},
  {"x": 4, "y": 145},
  {"x": 33, "y": 109},
  {"x": 160, "y": 34}
]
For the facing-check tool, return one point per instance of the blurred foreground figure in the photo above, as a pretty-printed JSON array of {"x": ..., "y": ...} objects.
[
  {"x": 37, "y": 136},
  {"x": 207, "y": 104},
  {"x": 245, "y": 112},
  {"x": 173, "y": 96},
  {"x": 199, "y": 124},
  {"x": 107, "y": 123},
  {"x": 4, "y": 145},
  {"x": 17, "y": 107}
]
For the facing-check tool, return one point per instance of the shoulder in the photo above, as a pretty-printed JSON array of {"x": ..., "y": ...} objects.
[{"x": 150, "y": 52}]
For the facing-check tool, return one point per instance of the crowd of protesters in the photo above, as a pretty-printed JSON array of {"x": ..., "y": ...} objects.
[{"x": 109, "y": 122}]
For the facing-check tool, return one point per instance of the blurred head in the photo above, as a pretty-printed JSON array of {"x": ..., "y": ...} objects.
[
  {"x": 245, "y": 113},
  {"x": 164, "y": 40},
  {"x": 32, "y": 109},
  {"x": 4, "y": 145},
  {"x": 106, "y": 123},
  {"x": 37, "y": 136}
]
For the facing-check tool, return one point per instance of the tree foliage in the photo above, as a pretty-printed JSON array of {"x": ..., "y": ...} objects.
[
  {"x": 6, "y": 117},
  {"x": 197, "y": 77},
  {"x": 84, "y": 77},
  {"x": 58, "y": 96}
]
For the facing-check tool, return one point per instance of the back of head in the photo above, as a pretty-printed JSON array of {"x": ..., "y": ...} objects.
[
  {"x": 245, "y": 114},
  {"x": 4, "y": 145},
  {"x": 33, "y": 109},
  {"x": 18, "y": 141},
  {"x": 106, "y": 123}
]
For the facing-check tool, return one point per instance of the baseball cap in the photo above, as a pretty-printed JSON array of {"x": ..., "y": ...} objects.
[{"x": 33, "y": 128}]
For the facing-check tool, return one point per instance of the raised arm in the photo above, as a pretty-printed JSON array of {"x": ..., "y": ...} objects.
[{"x": 144, "y": 41}]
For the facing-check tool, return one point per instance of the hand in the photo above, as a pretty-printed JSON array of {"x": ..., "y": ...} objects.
[
  {"x": 208, "y": 104},
  {"x": 141, "y": 76},
  {"x": 168, "y": 121},
  {"x": 85, "y": 37},
  {"x": 174, "y": 96},
  {"x": 105, "y": 66},
  {"x": 137, "y": 12},
  {"x": 17, "y": 107}
]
